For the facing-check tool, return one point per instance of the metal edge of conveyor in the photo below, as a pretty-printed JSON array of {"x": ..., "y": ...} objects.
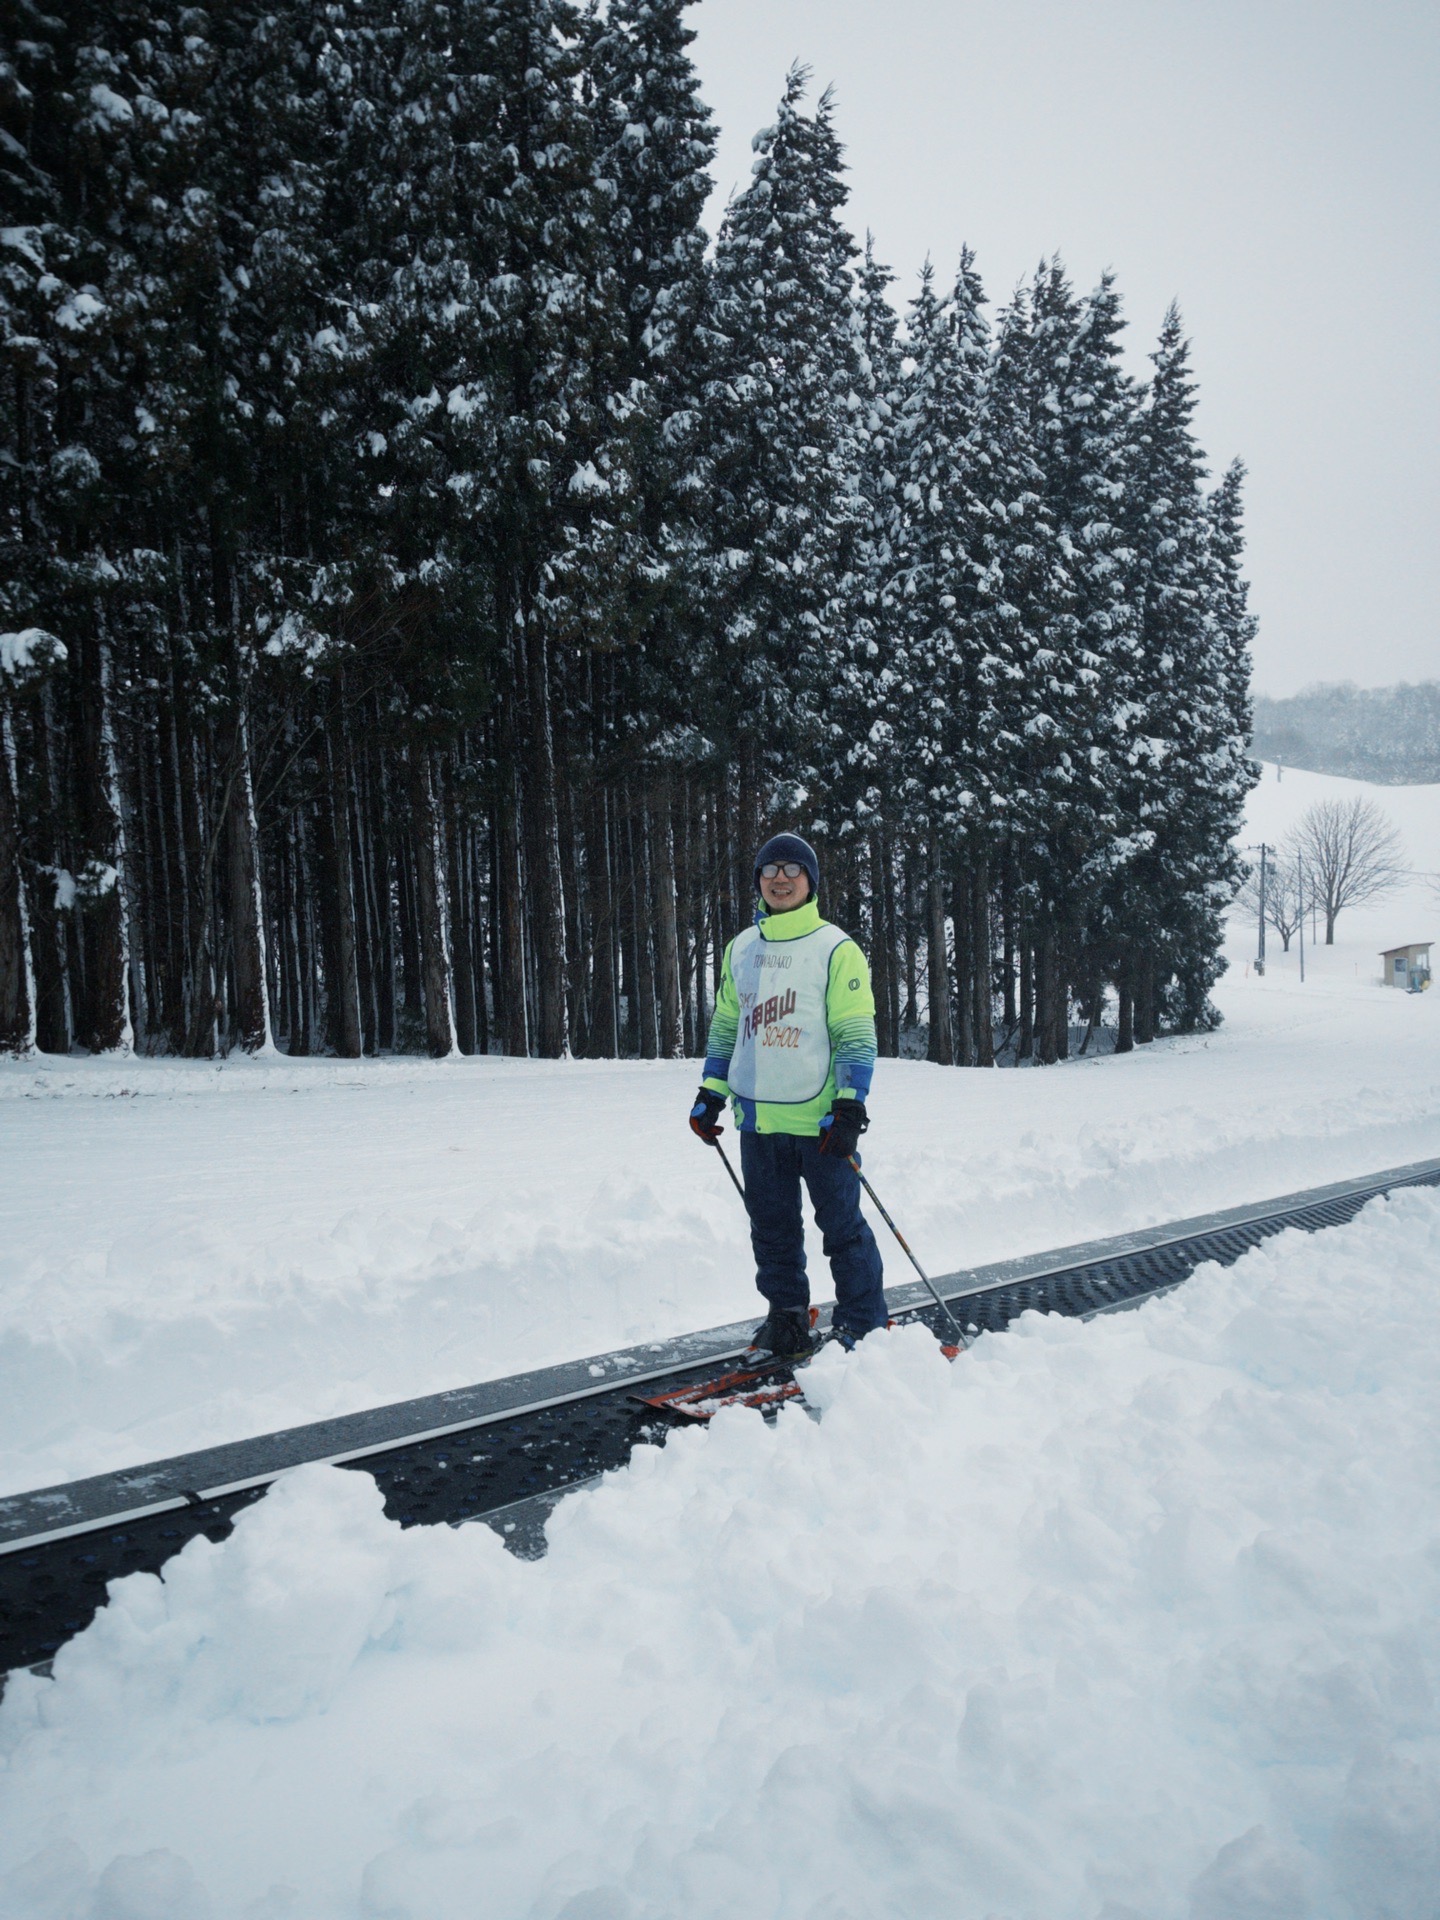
[{"x": 187, "y": 1480}]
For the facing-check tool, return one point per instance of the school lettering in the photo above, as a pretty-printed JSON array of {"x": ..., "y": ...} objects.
[{"x": 765, "y": 1013}]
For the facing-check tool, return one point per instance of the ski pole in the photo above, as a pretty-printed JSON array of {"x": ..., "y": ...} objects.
[
  {"x": 735, "y": 1178},
  {"x": 934, "y": 1294}
]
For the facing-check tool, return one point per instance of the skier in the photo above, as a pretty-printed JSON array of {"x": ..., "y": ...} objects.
[{"x": 792, "y": 1043}]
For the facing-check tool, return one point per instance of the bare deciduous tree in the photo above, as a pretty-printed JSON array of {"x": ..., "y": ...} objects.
[
  {"x": 1282, "y": 892},
  {"x": 1351, "y": 852}
]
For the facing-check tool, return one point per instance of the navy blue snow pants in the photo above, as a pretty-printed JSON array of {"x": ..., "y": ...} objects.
[{"x": 774, "y": 1164}]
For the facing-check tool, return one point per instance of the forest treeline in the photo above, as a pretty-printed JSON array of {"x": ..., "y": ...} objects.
[
  {"x": 1390, "y": 735},
  {"x": 430, "y": 568}
]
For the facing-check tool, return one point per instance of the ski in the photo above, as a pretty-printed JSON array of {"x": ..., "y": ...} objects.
[
  {"x": 764, "y": 1385},
  {"x": 764, "y": 1382}
]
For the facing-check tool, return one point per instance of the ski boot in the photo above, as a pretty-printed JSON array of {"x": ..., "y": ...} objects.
[{"x": 786, "y": 1333}]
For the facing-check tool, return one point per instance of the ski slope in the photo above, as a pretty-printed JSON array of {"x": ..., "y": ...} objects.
[
  {"x": 1134, "y": 1618},
  {"x": 191, "y": 1252}
]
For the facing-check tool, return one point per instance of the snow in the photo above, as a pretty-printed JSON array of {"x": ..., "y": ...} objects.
[
  {"x": 29, "y": 241},
  {"x": 76, "y": 313},
  {"x": 587, "y": 479},
  {"x": 1140, "y": 1617},
  {"x": 1133, "y": 1620},
  {"x": 110, "y": 106},
  {"x": 191, "y": 1252},
  {"x": 31, "y": 647},
  {"x": 1275, "y": 809}
]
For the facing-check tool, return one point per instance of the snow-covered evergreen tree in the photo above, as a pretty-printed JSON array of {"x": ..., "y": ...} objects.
[
  {"x": 654, "y": 143},
  {"x": 934, "y": 601},
  {"x": 653, "y": 147},
  {"x": 786, "y": 511},
  {"x": 1083, "y": 428},
  {"x": 1183, "y": 784},
  {"x": 450, "y": 572},
  {"x": 860, "y": 774}
]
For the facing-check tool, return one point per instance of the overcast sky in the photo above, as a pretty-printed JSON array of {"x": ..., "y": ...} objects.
[{"x": 1271, "y": 164}]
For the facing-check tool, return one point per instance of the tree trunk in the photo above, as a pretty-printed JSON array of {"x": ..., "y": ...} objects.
[
  {"x": 627, "y": 934},
  {"x": 667, "y": 933},
  {"x": 910, "y": 914},
  {"x": 1145, "y": 1003},
  {"x": 965, "y": 1042},
  {"x": 980, "y": 945},
  {"x": 644, "y": 938},
  {"x": 247, "y": 921},
  {"x": 727, "y": 897},
  {"x": 512, "y": 932},
  {"x": 484, "y": 947},
  {"x": 346, "y": 986},
  {"x": 302, "y": 1019},
  {"x": 748, "y": 826},
  {"x": 380, "y": 898},
  {"x": 1007, "y": 947},
  {"x": 882, "y": 948},
  {"x": 430, "y": 901},
  {"x": 17, "y": 980},
  {"x": 1125, "y": 1031},
  {"x": 54, "y": 1006},
  {"x": 547, "y": 881},
  {"x": 412, "y": 995},
  {"x": 457, "y": 842},
  {"x": 1025, "y": 1049},
  {"x": 692, "y": 938},
  {"x": 941, "y": 1047},
  {"x": 599, "y": 868},
  {"x": 1062, "y": 1010},
  {"x": 108, "y": 1027},
  {"x": 1047, "y": 1050},
  {"x": 366, "y": 936}
]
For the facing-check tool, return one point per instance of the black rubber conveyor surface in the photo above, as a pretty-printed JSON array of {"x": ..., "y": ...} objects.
[{"x": 506, "y": 1450}]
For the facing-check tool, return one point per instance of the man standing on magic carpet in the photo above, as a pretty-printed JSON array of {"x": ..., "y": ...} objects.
[{"x": 792, "y": 1044}]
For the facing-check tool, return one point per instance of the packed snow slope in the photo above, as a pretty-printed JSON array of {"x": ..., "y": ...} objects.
[
  {"x": 1284, "y": 793},
  {"x": 193, "y": 1252},
  {"x": 1134, "y": 1620}
]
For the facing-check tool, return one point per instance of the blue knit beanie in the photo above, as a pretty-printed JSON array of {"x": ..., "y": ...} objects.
[{"x": 789, "y": 846}]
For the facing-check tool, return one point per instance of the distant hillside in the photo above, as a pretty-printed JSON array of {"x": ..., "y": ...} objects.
[{"x": 1386, "y": 734}]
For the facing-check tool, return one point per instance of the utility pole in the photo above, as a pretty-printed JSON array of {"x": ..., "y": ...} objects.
[
  {"x": 1300, "y": 909},
  {"x": 1260, "y": 953}
]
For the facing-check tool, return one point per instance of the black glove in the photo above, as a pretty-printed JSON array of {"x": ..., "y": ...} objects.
[
  {"x": 707, "y": 1109},
  {"x": 842, "y": 1127}
]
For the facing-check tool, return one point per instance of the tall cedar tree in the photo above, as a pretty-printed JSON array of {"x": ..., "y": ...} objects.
[
  {"x": 654, "y": 144},
  {"x": 424, "y": 575},
  {"x": 785, "y": 510}
]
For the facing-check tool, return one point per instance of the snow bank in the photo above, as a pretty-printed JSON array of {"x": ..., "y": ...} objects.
[
  {"x": 191, "y": 1253},
  {"x": 1130, "y": 1619}
]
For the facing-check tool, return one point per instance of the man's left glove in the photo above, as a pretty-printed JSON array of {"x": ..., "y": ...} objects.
[
  {"x": 842, "y": 1127},
  {"x": 705, "y": 1113}
]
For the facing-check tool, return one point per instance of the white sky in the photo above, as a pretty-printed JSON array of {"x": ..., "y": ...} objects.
[{"x": 1271, "y": 164}]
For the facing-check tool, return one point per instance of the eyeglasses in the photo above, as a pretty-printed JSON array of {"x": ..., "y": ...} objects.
[{"x": 773, "y": 869}]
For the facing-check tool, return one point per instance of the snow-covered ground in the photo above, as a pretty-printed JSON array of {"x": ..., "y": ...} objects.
[
  {"x": 190, "y": 1252},
  {"x": 1133, "y": 1619}
]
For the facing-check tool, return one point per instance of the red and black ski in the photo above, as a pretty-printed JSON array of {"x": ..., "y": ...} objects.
[
  {"x": 763, "y": 1382},
  {"x": 765, "y": 1385}
]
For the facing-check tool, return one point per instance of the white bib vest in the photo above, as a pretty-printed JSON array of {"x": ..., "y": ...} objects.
[{"x": 782, "y": 1055}]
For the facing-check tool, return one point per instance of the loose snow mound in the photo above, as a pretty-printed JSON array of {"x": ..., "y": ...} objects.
[{"x": 1140, "y": 1618}]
